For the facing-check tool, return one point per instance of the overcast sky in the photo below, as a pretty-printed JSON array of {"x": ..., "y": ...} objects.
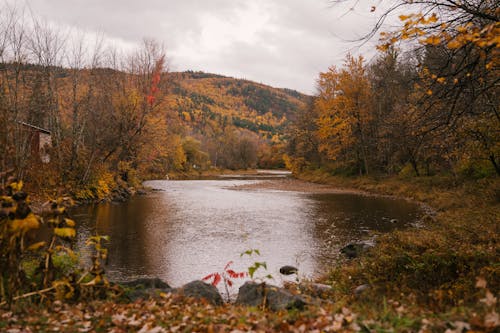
[{"x": 283, "y": 43}]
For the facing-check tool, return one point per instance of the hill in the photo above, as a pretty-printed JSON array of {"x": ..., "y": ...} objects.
[
  {"x": 199, "y": 96},
  {"x": 218, "y": 121}
]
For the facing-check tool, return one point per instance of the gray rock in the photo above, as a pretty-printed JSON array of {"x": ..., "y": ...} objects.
[
  {"x": 354, "y": 250},
  {"x": 200, "y": 289},
  {"x": 274, "y": 298},
  {"x": 145, "y": 288},
  {"x": 146, "y": 283},
  {"x": 288, "y": 270},
  {"x": 141, "y": 192},
  {"x": 361, "y": 289}
]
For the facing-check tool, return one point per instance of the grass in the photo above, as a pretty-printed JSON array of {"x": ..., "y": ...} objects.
[{"x": 436, "y": 267}]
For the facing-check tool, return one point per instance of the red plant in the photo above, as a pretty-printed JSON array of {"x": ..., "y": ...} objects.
[
  {"x": 227, "y": 276},
  {"x": 150, "y": 98}
]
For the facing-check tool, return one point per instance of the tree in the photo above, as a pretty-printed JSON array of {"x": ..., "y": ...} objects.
[
  {"x": 459, "y": 41},
  {"x": 345, "y": 112}
]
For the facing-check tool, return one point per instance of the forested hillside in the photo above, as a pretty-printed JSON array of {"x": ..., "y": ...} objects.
[
  {"x": 115, "y": 119},
  {"x": 239, "y": 123}
]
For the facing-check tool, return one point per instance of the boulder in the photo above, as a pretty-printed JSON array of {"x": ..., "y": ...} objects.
[
  {"x": 145, "y": 288},
  {"x": 288, "y": 270},
  {"x": 200, "y": 289},
  {"x": 272, "y": 297},
  {"x": 146, "y": 283},
  {"x": 141, "y": 192},
  {"x": 354, "y": 250}
]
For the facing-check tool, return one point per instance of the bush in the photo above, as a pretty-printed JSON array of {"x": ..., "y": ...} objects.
[{"x": 42, "y": 269}]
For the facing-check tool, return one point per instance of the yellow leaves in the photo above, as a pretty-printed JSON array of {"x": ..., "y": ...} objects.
[
  {"x": 70, "y": 222},
  {"x": 429, "y": 92},
  {"x": 432, "y": 19},
  {"x": 65, "y": 232},
  {"x": 441, "y": 80},
  {"x": 186, "y": 116},
  {"x": 383, "y": 47},
  {"x": 406, "y": 17},
  {"x": 431, "y": 40},
  {"x": 36, "y": 246},
  {"x": 30, "y": 222},
  {"x": 454, "y": 44},
  {"x": 16, "y": 186}
]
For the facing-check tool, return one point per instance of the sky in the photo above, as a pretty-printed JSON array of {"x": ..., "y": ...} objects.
[{"x": 282, "y": 43}]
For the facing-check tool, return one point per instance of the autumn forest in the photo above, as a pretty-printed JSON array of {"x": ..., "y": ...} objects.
[{"x": 417, "y": 118}]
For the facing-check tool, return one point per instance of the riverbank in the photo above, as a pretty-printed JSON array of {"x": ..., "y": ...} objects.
[
  {"x": 448, "y": 267},
  {"x": 442, "y": 276}
]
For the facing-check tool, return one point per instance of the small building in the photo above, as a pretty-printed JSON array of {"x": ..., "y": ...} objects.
[{"x": 39, "y": 139}]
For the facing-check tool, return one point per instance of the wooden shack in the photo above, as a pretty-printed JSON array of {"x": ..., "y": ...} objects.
[{"x": 39, "y": 141}]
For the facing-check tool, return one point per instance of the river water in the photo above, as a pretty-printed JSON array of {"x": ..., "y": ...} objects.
[{"x": 184, "y": 230}]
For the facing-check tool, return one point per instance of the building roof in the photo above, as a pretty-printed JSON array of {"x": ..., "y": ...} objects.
[{"x": 43, "y": 130}]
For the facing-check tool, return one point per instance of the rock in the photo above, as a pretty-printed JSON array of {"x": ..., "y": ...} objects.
[
  {"x": 353, "y": 250},
  {"x": 200, "y": 289},
  {"x": 147, "y": 283},
  {"x": 393, "y": 220},
  {"x": 361, "y": 289},
  {"x": 308, "y": 288},
  {"x": 259, "y": 294},
  {"x": 288, "y": 270},
  {"x": 145, "y": 288}
]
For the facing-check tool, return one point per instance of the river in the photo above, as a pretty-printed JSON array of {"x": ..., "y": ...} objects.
[{"x": 184, "y": 230}]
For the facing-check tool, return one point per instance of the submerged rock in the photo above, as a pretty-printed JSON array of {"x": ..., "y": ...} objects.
[
  {"x": 272, "y": 297},
  {"x": 288, "y": 270},
  {"x": 199, "y": 289}
]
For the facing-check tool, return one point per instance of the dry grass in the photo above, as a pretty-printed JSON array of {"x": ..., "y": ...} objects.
[{"x": 436, "y": 265}]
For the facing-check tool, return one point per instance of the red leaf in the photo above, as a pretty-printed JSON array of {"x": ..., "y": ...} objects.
[
  {"x": 150, "y": 99},
  {"x": 229, "y": 283},
  {"x": 227, "y": 265},
  {"x": 216, "y": 280}
]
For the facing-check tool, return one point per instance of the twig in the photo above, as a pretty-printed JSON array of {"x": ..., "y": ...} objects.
[{"x": 38, "y": 292}]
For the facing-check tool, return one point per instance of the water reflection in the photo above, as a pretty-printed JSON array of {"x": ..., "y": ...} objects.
[
  {"x": 343, "y": 218},
  {"x": 192, "y": 228}
]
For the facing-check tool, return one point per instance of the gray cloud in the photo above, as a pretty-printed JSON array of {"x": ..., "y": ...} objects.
[{"x": 284, "y": 43}]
